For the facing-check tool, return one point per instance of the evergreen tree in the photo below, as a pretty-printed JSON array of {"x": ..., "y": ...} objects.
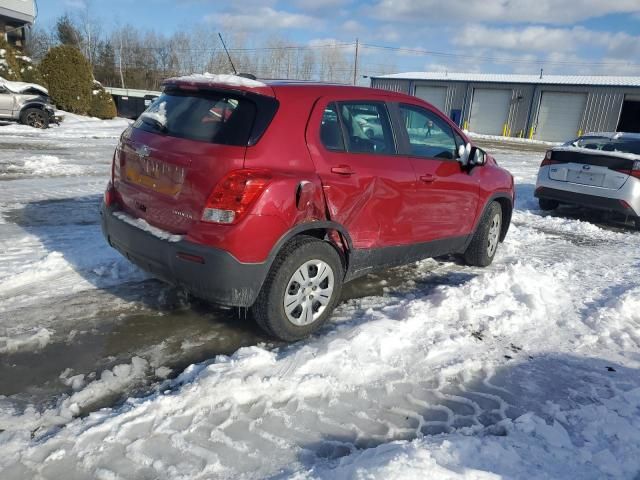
[
  {"x": 67, "y": 33},
  {"x": 69, "y": 79}
]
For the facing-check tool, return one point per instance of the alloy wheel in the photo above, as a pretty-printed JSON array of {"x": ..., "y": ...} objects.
[{"x": 36, "y": 120}]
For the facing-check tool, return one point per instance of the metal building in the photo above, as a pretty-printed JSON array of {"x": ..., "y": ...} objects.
[{"x": 549, "y": 107}]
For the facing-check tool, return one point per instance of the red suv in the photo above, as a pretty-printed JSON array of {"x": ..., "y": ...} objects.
[{"x": 272, "y": 195}]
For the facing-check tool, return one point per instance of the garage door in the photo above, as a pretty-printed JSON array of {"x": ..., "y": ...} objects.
[
  {"x": 489, "y": 111},
  {"x": 436, "y": 96},
  {"x": 560, "y": 116}
]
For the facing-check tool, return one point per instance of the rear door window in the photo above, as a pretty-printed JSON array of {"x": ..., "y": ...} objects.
[
  {"x": 367, "y": 128},
  {"x": 212, "y": 117},
  {"x": 330, "y": 130},
  {"x": 429, "y": 135}
]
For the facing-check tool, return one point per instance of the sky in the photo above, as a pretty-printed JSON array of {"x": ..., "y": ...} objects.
[{"x": 491, "y": 36}]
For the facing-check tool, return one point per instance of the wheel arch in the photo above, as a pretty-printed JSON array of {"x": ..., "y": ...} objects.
[
  {"x": 332, "y": 232},
  {"x": 506, "y": 203},
  {"x": 27, "y": 106}
]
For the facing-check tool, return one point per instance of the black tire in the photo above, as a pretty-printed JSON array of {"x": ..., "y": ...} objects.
[
  {"x": 547, "y": 204},
  {"x": 484, "y": 244},
  {"x": 35, "y": 117},
  {"x": 269, "y": 309}
]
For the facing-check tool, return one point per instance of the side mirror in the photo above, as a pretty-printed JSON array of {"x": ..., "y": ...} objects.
[
  {"x": 478, "y": 156},
  {"x": 469, "y": 155}
]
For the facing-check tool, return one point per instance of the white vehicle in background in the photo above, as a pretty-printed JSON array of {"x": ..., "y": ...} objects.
[
  {"x": 370, "y": 125},
  {"x": 598, "y": 170},
  {"x": 27, "y": 103}
]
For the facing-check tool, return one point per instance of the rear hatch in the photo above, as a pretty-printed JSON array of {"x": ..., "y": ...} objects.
[
  {"x": 189, "y": 138},
  {"x": 606, "y": 169}
]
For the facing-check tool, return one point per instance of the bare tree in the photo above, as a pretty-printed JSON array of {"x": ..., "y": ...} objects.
[
  {"x": 307, "y": 65},
  {"x": 143, "y": 59},
  {"x": 38, "y": 43},
  {"x": 83, "y": 30}
]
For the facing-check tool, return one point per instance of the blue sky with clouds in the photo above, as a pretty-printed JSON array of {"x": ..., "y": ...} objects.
[{"x": 567, "y": 36}]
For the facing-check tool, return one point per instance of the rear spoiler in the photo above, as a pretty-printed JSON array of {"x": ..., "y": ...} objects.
[
  {"x": 598, "y": 153},
  {"x": 209, "y": 81}
]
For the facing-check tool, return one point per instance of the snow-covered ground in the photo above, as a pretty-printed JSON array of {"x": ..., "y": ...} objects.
[{"x": 527, "y": 369}]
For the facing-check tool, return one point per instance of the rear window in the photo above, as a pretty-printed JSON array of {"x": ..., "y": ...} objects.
[
  {"x": 212, "y": 117},
  {"x": 605, "y": 144}
]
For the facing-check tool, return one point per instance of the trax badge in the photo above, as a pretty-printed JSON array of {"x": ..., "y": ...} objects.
[{"x": 182, "y": 214}]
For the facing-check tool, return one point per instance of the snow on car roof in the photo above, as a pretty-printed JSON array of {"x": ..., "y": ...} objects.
[
  {"x": 19, "y": 87},
  {"x": 613, "y": 135},
  {"x": 602, "y": 80},
  {"x": 209, "y": 78}
]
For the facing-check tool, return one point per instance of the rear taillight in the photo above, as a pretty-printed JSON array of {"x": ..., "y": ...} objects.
[
  {"x": 625, "y": 205},
  {"x": 117, "y": 163},
  {"x": 234, "y": 194},
  {"x": 110, "y": 195},
  {"x": 634, "y": 172},
  {"x": 547, "y": 159}
]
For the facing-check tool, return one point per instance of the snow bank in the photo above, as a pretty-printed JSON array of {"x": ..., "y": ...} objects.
[
  {"x": 26, "y": 341},
  {"x": 513, "y": 140},
  {"x": 76, "y": 127},
  {"x": 110, "y": 384},
  {"x": 45, "y": 165},
  {"x": 429, "y": 334}
]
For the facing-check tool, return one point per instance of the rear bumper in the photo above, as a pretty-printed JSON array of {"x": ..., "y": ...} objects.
[
  {"x": 212, "y": 274},
  {"x": 584, "y": 200}
]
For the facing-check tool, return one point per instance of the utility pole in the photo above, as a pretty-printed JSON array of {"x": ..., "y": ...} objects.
[{"x": 355, "y": 64}]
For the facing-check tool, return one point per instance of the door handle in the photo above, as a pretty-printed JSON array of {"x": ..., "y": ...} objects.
[
  {"x": 342, "y": 170},
  {"x": 427, "y": 178}
]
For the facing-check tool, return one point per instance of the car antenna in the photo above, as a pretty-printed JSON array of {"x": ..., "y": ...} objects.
[{"x": 235, "y": 72}]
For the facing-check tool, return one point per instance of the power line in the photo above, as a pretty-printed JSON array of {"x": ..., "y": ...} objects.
[{"x": 252, "y": 49}]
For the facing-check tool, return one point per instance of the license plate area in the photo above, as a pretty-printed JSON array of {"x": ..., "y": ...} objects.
[
  {"x": 156, "y": 175},
  {"x": 584, "y": 177}
]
